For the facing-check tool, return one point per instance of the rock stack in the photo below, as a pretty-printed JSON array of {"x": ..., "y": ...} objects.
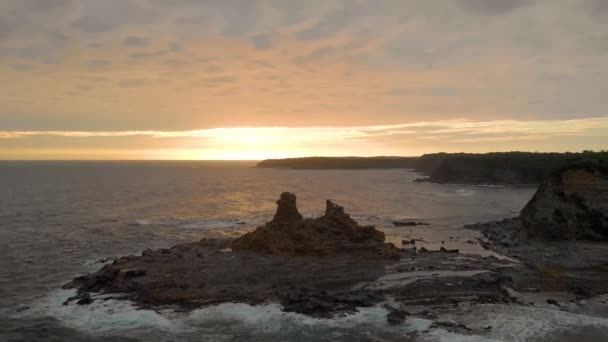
[
  {"x": 287, "y": 209},
  {"x": 571, "y": 204},
  {"x": 333, "y": 233}
]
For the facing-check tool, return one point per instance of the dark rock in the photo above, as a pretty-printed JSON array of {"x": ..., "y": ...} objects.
[
  {"x": 444, "y": 250},
  {"x": 85, "y": 299},
  {"x": 441, "y": 250},
  {"x": 451, "y": 326},
  {"x": 134, "y": 272},
  {"x": 82, "y": 298},
  {"x": 333, "y": 233},
  {"x": 571, "y": 204},
  {"x": 287, "y": 210},
  {"x": 105, "y": 260},
  {"x": 552, "y": 302},
  {"x": 322, "y": 303},
  {"x": 428, "y": 314},
  {"x": 408, "y": 223},
  {"x": 396, "y": 316},
  {"x": 581, "y": 291}
]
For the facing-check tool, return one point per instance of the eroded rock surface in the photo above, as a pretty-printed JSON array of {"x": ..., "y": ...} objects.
[
  {"x": 333, "y": 233},
  {"x": 287, "y": 209},
  {"x": 570, "y": 266},
  {"x": 560, "y": 237},
  {"x": 571, "y": 204},
  {"x": 318, "y": 267}
]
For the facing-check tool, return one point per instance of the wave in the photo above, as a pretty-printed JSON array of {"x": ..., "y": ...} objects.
[{"x": 239, "y": 321}]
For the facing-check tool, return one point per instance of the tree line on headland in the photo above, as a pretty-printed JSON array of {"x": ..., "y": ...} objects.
[{"x": 490, "y": 168}]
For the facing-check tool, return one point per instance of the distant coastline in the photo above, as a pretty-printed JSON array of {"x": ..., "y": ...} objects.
[
  {"x": 500, "y": 168},
  {"x": 341, "y": 163}
]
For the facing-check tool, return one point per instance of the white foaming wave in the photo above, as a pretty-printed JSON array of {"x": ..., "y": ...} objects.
[
  {"x": 102, "y": 316},
  {"x": 508, "y": 322},
  {"x": 523, "y": 323},
  {"x": 111, "y": 316},
  {"x": 143, "y": 222},
  {"x": 271, "y": 318},
  {"x": 441, "y": 335},
  {"x": 213, "y": 224},
  {"x": 465, "y": 192},
  {"x": 201, "y": 223}
]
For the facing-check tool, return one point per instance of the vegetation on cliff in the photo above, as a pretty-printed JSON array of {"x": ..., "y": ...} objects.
[
  {"x": 492, "y": 168},
  {"x": 341, "y": 163}
]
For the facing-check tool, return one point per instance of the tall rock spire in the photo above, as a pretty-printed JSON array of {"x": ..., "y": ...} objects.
[{"x": 287, "y": 210}]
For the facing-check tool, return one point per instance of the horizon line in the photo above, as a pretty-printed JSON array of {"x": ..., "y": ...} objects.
[{"x": 302, "y": 157}]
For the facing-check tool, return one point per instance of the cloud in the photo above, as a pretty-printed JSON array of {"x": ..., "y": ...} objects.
[
  {"x": 110, "y": 15},
  {"x": 174, "y": 47},
  {"x": 447, "y": 129},
  {"x": 344, "y": 15},
  {"x": 597, "y": 7},
  {"x": 174, "y": 63},
  {"x": 219, "y": 80},
  {"x": 318, "y": 55},
  {"x": 262, "y": 63},
  {"x": 135, "y": 41},
  {"x": 492, "y": 7},
  {"x": 22, "y": 67},
  {"x": 143, "y": 55},
  {"x": 133, "y": 82},
  {"x": 261, "y": 41},
  {"x": 213, "y": 69},
  {"x": 278, "y": 142},
  {"x": 99, "y": 64},
  {"x": 333, "y": 60},
  {"x": 424, "y": 91}
]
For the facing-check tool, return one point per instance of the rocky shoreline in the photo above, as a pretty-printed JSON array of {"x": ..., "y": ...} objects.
[
  {"x": 319, "y": 267},
  {"x": 332, "y": 266},
  {"x": 514, "y": 184}
]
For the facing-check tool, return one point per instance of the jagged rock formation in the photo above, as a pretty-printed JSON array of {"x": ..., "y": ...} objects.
[
  {"x": 571, "y": 204},
  {"x": 287, "y": 209},
  {"x": 279, "y": 263},
  {"x": 333, "y": 233}
]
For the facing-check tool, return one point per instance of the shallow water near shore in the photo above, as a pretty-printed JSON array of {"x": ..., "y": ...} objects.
[{"x": 57, "y": 219}]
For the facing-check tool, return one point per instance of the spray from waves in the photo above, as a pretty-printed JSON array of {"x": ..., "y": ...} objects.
[
  {"x": 202, "y": 224},
  {"x": 239, "y": 321},
  {"x": 221, "y": 322},
  {"x": 102, "y": 316},
  {"x": 524, "y": 323}
]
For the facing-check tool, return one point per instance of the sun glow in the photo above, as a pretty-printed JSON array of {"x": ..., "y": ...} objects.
[{"x": 255, "y": 143}]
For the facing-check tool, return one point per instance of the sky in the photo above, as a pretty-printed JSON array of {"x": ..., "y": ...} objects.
[{"x": 255, "y": 79}]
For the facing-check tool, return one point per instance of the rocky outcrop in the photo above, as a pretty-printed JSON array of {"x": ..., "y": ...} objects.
[
  {"x": 333, "y": 233},
  {"x": 571, "y": 204},
  {"x": 280, "y": 263},
  {"x": 287, "y": 209}
]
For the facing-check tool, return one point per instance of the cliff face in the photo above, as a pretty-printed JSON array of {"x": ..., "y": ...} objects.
[
  {"x": 333, "y": 233},
  {"x": 571, "y": 204}
]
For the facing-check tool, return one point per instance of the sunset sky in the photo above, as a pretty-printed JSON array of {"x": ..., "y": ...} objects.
[{"x": 239, "y": 79}]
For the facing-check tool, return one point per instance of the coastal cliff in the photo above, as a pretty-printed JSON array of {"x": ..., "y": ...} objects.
[
  {"x": 571, "y": 204},
  {"x": 508, "y": 168}
]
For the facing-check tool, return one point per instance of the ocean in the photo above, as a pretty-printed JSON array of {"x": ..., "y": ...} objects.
[{"x": 58, "y": 219}]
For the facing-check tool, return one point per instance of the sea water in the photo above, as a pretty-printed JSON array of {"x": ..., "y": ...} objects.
[{"x": 58, "y": 219}]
